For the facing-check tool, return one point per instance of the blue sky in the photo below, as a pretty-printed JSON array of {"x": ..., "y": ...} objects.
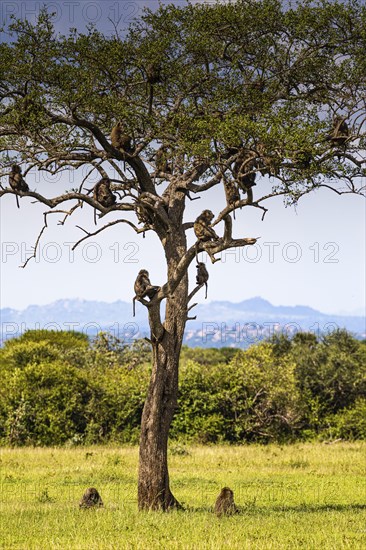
[{"x": 313, "y": 255}]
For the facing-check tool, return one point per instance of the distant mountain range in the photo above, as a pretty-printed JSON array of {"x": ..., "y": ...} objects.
[{"x": 217, "y": 324}]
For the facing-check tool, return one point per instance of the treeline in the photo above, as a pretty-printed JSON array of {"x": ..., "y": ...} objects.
[{"x": 58, "y": 388}]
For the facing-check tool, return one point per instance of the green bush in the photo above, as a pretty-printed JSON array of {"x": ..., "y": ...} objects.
[
  {"x": 349, "y": 424},
  {"x": 48, "y": 403},
  {"x": 59, "y": 388},
  {"x": 252, "y": 398},
  {"x": 331, "y": 374}
]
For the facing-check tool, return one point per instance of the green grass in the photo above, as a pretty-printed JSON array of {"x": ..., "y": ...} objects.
[{"x": 300, "y": 496}]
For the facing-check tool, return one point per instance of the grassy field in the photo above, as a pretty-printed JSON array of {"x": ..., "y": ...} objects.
[{"x": 300, "y": 496}]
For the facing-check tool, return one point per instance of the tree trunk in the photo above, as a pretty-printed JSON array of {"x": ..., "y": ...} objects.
[{"x": 153, "y": 482}]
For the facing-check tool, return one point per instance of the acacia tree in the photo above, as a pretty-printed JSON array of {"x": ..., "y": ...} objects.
[{"x": 212, "y": 96}]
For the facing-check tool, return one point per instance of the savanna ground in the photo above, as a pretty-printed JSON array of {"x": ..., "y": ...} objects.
[{"x": 298, "y": 496}]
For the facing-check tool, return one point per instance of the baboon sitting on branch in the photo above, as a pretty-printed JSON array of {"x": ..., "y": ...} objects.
[{"x": 143, "y": 287}]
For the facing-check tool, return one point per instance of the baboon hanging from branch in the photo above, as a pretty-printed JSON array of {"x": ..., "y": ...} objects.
[
  {"x": 202, "y": 276},
  {"x": 231, "y": 192},
  {"x": 153, "y": 76},
  {"x": 244, "y": 171}
]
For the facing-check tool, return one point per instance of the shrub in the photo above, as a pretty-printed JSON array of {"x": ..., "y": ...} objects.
[
  {"x": 253, "y": 398},
  {"x": 58, "y": 388},
  {"x": 349, "y": 423},
  {"x": 48, "y": 403}
]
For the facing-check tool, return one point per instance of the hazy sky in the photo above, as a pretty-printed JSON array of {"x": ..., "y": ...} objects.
[{"x": 312, "y": 255}]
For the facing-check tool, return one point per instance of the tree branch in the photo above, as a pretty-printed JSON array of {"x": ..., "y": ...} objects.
[
  {"x": 88, "y": 235},
  {"x": 182, "y": 267},
  {"x": 35, "y": 248},
  {"x": 194, "y": 291},
  {"x": 135, "y": 162},
  {"x": 52, "y": 203}
]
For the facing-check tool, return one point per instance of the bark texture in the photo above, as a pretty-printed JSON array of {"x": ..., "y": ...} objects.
[{"x": 153, "y": 483}]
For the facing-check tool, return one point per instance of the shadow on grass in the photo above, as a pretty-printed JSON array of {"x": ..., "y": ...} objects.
[
  {"x": 317, "y": 508},
  {"x": 300, "y": 508}
]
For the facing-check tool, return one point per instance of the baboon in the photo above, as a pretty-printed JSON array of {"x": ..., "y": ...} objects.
[
  {"x": 340, "y": 133},
  {"x": 268, "y": 163},
  {"x": 120, "y": 140},
  {"x": 147, "y": 206},
  {"x": 202, "y": 228},
  {"x": 17, "y": 182},
  {"x": 204, "y": 232},
  {"x": 143, "y": 215},
  {"x": 161, "y": 160},
  {"x": 225, "y": 505},
  {"x": 153, "y": 73},
  {"x": 153, "y": 76},
  {"x": 202, "y": 276},
  {"x": 143, "y": 287},
  {"x": 243, "y": 172},
  {"x": 102, "y": 193},
  {"x": 303, "y": 158},
  {"x": 231, "y": 192},
  {"x": 91, "y": 498}
]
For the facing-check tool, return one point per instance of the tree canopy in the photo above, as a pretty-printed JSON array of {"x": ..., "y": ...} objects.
[{"x": 249, "y": 74}]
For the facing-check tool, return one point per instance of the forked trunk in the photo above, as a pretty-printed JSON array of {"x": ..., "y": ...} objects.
[{"x": 153, "y": 482}]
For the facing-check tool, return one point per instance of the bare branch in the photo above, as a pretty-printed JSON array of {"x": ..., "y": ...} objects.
[
  {"x": 237, "y": 205},
  {"x": 190, "y": 186},
  {"x": 265, "y": 210},
  {"x": 35, "y": 248},
  {"x": 194, "y": 291},
  {"x": 360, "y": 191},
  {"x": 88, "y": 235},
  {"x": 220, "y": 245},
  {"x": 67, "y": 213}
]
